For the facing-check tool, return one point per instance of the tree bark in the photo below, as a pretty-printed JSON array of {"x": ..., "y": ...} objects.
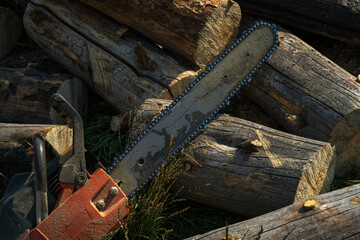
[
  {"x": 196, "y": 30},
  {"x": 247, "y": 168},
  {"x": 25, "y": 94},
  {"x": 16, "y": 144},
  {"x": 102, "y": 53},
  {"x": 334, "y": 215},
  {"x": 335, "y": 19},
  {"x": 310, "y": 96}
]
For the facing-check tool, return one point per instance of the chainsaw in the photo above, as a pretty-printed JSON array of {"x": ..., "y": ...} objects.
[{"x": 74, "y": 197}]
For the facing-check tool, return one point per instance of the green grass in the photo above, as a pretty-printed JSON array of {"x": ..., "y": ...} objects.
[
  {"x": 156, "y": 212},
  {"x": 153, "y": 207},
  {"x": 199, "y": 219},
  {"x": 99, "y": 138}
]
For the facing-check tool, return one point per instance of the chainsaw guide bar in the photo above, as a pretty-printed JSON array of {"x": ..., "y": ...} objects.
[{"x": 193, "y": 109}]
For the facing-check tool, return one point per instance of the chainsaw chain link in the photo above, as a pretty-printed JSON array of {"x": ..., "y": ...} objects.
[{"x": 205, "y": 123}]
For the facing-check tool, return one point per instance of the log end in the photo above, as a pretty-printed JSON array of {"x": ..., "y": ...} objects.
[
  {"x": 60, "y": 138},
  {"x": 217, "y": 33},
  {"x": 177, "y": 86},
  {"x": 346, "y": 139},
  {"x": 318, "y": 174}
]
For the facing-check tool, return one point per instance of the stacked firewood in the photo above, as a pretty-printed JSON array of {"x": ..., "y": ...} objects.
[{"x": 141, "y": 54}]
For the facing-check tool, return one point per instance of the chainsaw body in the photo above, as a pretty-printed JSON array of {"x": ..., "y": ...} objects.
[
  {"x": 83, "y": 200},
  {"x": 88, "y": 213}
]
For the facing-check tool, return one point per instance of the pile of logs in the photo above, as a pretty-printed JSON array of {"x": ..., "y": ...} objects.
[{"x": 140, "y": 54}]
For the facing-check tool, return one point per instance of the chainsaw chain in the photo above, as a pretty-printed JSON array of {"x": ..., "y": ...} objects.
[{"x": 204, "y": 125}]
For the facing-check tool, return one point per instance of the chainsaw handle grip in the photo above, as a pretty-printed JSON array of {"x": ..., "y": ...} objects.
[
  {"x": 73, "y": 169},
  {"x": 41, "y": 200}
]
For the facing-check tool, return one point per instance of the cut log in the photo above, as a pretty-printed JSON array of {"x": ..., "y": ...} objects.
[
  {"x": 10, "y": 30},
  {"x": 16, "y": 144},
  {"x": 310, "y": 96},
  {"x": 197, "y": 30},
  {"x": 25, "y": 94},
  {"x": 334, "y": 215},
  {"x": 336, "y": 19},
  {"x": 102, "y": 53},
  {"x": 247, "y": 168}
]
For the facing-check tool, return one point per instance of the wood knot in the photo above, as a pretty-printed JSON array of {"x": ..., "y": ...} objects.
[
  {"x": 295, "y": 120},
  {"x": 310, "y": 205},
  {"x": 355, "y": 201},
  {"x": 250, "y": 145}
]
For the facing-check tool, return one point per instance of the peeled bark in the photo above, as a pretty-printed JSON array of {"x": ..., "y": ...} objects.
[
  {"x": 16, "y": 144},
  {"x": 196, "y": 30},
  {"x": 335, "y": 19},
  {"x": 247, "y": 168},
  {"x": 102, "y": 53},
  {"x": 310, "y": 96},
  {"x": 25, "y": 94},
  {"x": 334, "y": 215}
]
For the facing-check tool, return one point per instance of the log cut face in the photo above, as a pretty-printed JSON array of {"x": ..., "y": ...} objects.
[
  {"x": 16, "y": 144},
  {"x": 335, "y": 215},
  {"x": 104, "y": 53},
  {"x": 196, "y": 30},
  {"x": 310, "y": 96},
  {"x": 248, "y": 168}
]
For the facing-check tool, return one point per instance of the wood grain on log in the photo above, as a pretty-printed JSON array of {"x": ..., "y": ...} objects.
[
  {"x": 310, "y": 96},
  {"x": 247, "y": 168},
  {"x": 101, "y": 51},
  {"x": 16, "y": 144},
  {"x": 25, "y": 94},
  {"x": 10, "y": 30},
  {"x": 196, "y": 30},
  {"x": 336, "y": 19},
  {"x": 334, "y": 215}
]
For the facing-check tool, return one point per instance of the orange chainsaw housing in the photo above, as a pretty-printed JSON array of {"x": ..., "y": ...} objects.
[{"x": 77, "y": 217}]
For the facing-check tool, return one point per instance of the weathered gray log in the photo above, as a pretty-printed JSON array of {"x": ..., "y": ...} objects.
[
  {"x": 196, "y": 30},
  {"x": 16, "y": 144},
  {"x": 310, "y": 96},
  {"x": 101, "y": 51},
  {"x": 336, "y": 19},
  {"x": 247, "y": 168},
  {"x": 10, "y": 30},
  {"x": 334, "y": 215},
  {"x": 25, "y": 94}
]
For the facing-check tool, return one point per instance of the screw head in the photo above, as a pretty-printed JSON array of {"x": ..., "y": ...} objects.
[
  {"x": 114, "y": 191},
  {"x": 100, "y": 204},
  {"x": 81, "y": 178}
]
